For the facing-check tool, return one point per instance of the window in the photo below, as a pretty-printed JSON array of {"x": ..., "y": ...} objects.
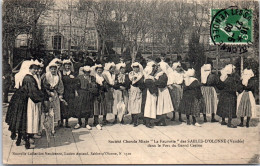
[{"x": 56, "y": 42}]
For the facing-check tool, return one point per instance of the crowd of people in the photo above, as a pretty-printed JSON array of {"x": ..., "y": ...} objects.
[{"x": 146, "y": 93}]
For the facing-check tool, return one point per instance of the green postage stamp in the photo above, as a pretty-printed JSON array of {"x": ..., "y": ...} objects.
[{"x": 231, "y": 26}]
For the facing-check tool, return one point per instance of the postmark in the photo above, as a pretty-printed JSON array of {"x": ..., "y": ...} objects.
[{"x": 231, "y": 26}]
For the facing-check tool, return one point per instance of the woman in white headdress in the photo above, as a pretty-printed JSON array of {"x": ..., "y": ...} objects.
[
  {"x": 191, "y": 104},
  {"x": 34, "y": 109},
  {"x": 246, "y": 105},
  {"x": 109, "y": 76},
  {"x": 86, "y": 88},
  {"x": 23, "y": 103},
  {"x": 144, "y": 90},
  {"x": 34, "y": 115},
  {"x": 39, "y": 79},
  {"x": 151, "y": 94},
  {"x": 135, "y": 93},
  {"x": 227, "y": 98},
  {"x": 122, "y": 84},
  {"x": 164, "y": 102},
  {"x": 53, "y": 92},
  {"x": 176, "y": 90},
  {"x": 208, "y": 91},
  {"x": 40, "y": 70},
  {"x": 99, "y": 95},
  {"x": 70, "y": 92},
  {"x": 59, "y": 63},
  {"x": 21, "y": 74}
]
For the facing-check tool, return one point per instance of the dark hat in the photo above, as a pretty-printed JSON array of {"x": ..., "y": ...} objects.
[
  {"x": 157, "y": 60},
  {"x": 163, "y": 54}
]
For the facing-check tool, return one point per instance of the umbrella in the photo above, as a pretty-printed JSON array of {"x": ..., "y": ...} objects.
[
  {"x": 121, "y": 109},
  {"x": 48, "y": 124}
]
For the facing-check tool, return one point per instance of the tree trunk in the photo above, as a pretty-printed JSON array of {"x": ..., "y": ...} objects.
[
  {"x": 34, "y": 38},
  {"x": 134, "y": 49},
  {"x": 122, "y": 47},
  {"x": 153, "y": 43},
  {"x": 170, "y": 51},
  {"x": 69, "y": 44},
  {"x": 217, "y": 60},
  {"x": 166, "y": 45},
  {"x": 11, "y": 53},
  {"x": 5, "y": 47},
  {"x": 242, "y": 64},
  {"x": 133, "y": 54},
  {"x": 103, "y": 50},
  {"x": 85, "y": 29}
]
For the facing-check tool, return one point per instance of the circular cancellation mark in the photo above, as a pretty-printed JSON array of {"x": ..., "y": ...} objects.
[{"x": 231, "y": 26}]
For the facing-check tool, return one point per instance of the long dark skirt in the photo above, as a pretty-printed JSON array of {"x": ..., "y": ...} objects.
[
  {"x": 144, "y": 95},
  {"x": 176, "y": 96},
  {"x": 210, "y": 98},
  {"x": 109, "y": 100},
  {"x": 99, "y": 105},
  {"x": 246, "y": 105},
  {"x": 227, "y": 105},
  {"x": 67, "y": 111},
  {"x": 84, "y": 104},
  {"x": 190, "y": 105},
  {"x": 16, "y": 116}
]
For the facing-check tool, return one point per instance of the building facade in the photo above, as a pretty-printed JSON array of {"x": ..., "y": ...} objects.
[{"x": 67, "y": 28}]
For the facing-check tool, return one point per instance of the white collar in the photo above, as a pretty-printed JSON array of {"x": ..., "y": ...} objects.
[
  {"x": 189, "y": 80},
  {"x": 67, "y": 72},
  {"x": 99, "y": 79}
]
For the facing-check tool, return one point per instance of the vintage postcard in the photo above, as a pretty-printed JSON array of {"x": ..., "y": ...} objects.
[{"x": 130, "y": 82}]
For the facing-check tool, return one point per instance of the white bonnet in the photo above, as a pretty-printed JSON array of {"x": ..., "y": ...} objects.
[
  {"x": 190, "y": 73},
  {"x": 66, "y": 61},
  {"x": 119, "y": 65},
  {"x": 175, "y": 65},
  {"x": 109, "y": 65},
  {"x": 206, "y": 67}
]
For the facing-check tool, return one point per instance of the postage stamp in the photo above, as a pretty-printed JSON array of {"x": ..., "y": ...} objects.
[{"x": 231, "y": 26}]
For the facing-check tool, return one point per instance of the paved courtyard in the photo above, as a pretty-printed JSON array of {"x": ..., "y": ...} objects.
[{"x": 124, "y": 144}]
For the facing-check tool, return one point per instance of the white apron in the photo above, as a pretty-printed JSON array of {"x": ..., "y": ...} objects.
[
  {"x": 150, "y": 105},
  {"x": 211, "y": 99},
  {"x": 252, "y": 102},
  {"x": 164, "y": 103},
  {"x": 135, "y": 100},
  {"x": 33, "y": 117},
  {"x": 119, "y": 96}
]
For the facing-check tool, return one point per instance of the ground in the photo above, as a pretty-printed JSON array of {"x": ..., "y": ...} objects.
[{"x": 94, "y": 146}]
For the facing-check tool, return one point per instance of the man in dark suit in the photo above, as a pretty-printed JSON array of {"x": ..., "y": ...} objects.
[{"x": 90, "y": 59}]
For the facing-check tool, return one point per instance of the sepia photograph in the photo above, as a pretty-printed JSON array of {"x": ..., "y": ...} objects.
[{"x": 130, "y": 82}]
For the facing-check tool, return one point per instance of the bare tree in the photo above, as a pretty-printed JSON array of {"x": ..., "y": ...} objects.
[
  {"x": 120, "y": 10},
  {"x": 102, "y": 15},
  {"x": 83, "y": 14},
  {"x": 138, "y": 23},
  {"x": 21, "y": 17},
  {"x": 174, "y": 24}
]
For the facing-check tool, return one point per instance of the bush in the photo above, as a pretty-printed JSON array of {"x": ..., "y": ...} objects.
[{"x": 196, "y": 55}]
